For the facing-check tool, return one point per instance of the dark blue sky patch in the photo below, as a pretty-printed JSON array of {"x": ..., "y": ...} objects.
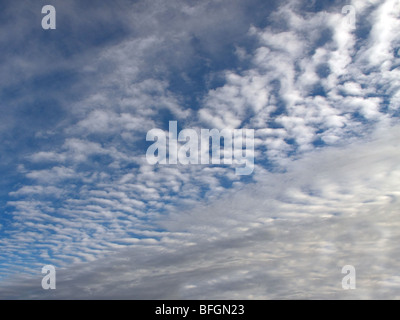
[
  {"x": 319, "y": 142},
  {"x": 324, "y": 38},
  {"x": 323, "y": 70},
  {"x": 318, "y": 90}
]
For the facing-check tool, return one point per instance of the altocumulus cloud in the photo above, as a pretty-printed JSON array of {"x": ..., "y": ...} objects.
[
  {"x": 286, "y": 236},
  {"x": 324, "y": 102}
]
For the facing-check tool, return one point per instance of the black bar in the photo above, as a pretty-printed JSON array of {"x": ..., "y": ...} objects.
[{"x": 185, "y": 309}]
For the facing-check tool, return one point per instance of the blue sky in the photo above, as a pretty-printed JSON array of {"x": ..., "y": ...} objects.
[{"x": 77, "y": 192}]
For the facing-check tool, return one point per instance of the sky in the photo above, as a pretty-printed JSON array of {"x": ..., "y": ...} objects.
[{"x": 77, "y": 192}]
